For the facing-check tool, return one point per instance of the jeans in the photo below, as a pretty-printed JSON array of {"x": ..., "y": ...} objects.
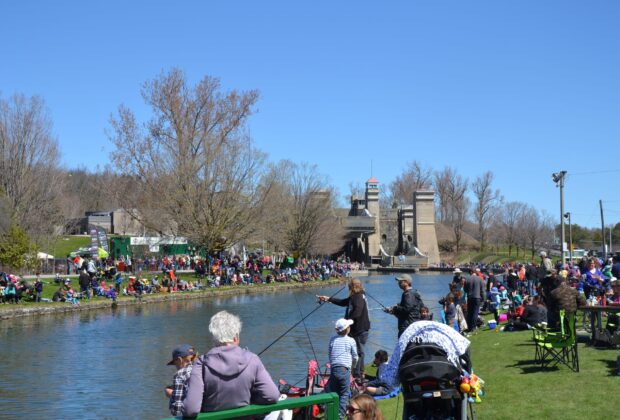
[
  {"x": 360, "y": 341},
  {"x": 339, "y": 383},
  {"x": 473, "y": 307}
]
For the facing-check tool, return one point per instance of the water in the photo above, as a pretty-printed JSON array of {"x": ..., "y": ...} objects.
[{"x": 112, "y": 363}]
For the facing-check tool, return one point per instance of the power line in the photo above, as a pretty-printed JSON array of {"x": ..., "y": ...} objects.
[{"x": 593, "y": 172}]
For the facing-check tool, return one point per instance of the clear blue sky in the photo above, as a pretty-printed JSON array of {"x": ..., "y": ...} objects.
[{"x": 521, "y": 88}]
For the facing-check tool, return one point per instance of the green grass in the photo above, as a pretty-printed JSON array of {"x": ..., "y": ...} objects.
[
  {"x": 517, "y": 388},
  {"x": 495, "y": 257},
  {"x": 63, "y": 245}
]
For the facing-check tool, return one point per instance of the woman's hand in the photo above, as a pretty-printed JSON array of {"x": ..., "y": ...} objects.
[{"x": 322, "y": 298}]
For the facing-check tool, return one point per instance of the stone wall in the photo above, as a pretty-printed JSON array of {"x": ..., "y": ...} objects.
[{"x": 389, "y": 231}]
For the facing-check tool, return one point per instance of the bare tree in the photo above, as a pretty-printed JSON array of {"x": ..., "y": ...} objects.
[
  {"x": 355, "y": 190},
  {"x": 30, "y": 178},
  {"x": 415, "y": 177},
  {"x": 192, "y": 166},
  {"x": 531, "y": 227},
  {"x": 442, "y": 180},
  {"x": 510, "y": 217},
  {"x": 458, "y": 204},
  {"x": 486, "y": 198},
  {"x": 308, "y": 224}
]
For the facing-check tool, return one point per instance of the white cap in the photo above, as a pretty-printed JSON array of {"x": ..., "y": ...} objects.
[
  {"x": 342, "y": 324},
  {"x": 543, "y": 254}
]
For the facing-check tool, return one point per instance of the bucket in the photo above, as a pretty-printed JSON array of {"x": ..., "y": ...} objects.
[
  {"x": 503, "y": 317},
  {"x": 492, "y": 324}
]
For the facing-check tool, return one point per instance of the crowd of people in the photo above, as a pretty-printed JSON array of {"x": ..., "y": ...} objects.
[
  {"x": 109, "y": 278},
  {"x": 533, "y": 293}
]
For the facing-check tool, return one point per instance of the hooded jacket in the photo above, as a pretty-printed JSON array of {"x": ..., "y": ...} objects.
[{"x": 228, "y": 377}]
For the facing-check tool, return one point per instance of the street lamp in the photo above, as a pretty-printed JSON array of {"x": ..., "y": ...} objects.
[
  {"x": 558, "y": 178},
  {"x": 570, "y": 237}
]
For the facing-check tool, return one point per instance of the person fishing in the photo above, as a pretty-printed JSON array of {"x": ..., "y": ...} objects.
[
  {"x": 357, "y": 311},
  {"x": 408, "y": 310}
]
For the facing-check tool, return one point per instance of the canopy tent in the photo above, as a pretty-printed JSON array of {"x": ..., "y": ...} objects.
[{"x": 44, "y": 256}]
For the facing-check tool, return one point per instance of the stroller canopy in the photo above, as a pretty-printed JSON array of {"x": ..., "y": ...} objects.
[{"x": 428, "y": 332}]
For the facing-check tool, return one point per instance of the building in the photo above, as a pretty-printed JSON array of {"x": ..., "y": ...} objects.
[
  {"x": 117, "y": 222},
  {"x": 401, "y": 236}
]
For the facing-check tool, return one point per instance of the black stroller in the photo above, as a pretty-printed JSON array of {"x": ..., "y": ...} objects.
[{"x": 430, "y": 384}]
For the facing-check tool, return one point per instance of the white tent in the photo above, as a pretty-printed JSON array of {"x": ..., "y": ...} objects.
[{"x": 44, "y": 256}]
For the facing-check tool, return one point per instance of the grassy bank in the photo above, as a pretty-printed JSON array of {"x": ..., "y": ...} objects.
[
  {"x": 30, "y": 308},
  {"x": 516, "y": 387}
]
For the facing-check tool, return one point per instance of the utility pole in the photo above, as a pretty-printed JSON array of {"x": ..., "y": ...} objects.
[
  {"x": 558, "y": 178},
  {"x": 600, "y": 203},
  {"x": 570, "y": 237}
]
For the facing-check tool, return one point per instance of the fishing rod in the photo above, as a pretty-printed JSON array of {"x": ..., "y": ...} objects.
[
  {"x": 370, "y": 296},
  {"x": 297, "y": 323}
]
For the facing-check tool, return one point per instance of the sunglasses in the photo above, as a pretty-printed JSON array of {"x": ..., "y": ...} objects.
[{"x": 353, "y": 410}]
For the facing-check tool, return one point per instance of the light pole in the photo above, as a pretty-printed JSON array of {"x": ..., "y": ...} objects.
[
  {"x": 570, "y": 237},
  {"x": 558, "y": 178}
]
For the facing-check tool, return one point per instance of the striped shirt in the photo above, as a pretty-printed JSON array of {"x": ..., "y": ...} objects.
[{"x": 342, "y": 351}]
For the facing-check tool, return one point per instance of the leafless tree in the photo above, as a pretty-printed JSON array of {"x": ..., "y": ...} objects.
[
  {"x": 530, "y": 225},
  {"x": 192, "y": 166},
  {"x": 30, "y": 178},
  {"x": 442, "y": 180},
  {"x": 355, "y": 190},
  {"x": 307, "y": 221},
  {"x": 457, "y": 207},
  {"x": 486, "y": 198},
  {"x": 510, "y": 217},
  {"x": 415, "y": 177}
]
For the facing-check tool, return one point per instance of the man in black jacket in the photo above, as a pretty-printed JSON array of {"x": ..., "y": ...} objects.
[
  {"x": 84, "y": 281},
  {"x": 474, "y": 287},
  {"x": 408, "y": 310}
]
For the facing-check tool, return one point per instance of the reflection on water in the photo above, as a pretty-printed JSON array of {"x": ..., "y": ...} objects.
[{"x": 112, "y": 363}]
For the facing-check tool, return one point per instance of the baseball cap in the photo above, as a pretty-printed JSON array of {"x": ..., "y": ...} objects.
[
  {"x": 182, "y": 351},
  {"x": 342, "y": 324},
  {"x": 403, "y": 277},
  {"x": 543, "y": 254}
]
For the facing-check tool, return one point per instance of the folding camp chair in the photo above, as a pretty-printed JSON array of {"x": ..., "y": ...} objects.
[{"x": 553, "y": 348}]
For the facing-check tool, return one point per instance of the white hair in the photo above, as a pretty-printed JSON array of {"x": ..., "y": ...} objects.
[{"x": 224, "y": 327}]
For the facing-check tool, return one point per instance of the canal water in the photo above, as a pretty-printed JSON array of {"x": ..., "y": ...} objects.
[{"x": 112, "y": 363}]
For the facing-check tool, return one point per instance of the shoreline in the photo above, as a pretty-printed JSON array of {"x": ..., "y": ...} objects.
[{"x": 20, "y": 310}]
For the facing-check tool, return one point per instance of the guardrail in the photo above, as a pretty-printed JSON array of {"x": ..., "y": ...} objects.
[{"x": 330, "y": 400}]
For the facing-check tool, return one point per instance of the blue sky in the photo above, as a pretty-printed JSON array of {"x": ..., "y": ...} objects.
[{"x": 520, "y": 88}]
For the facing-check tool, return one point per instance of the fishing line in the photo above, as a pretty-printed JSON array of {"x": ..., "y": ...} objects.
[
  {"x": 297, "y": 323},
  {"x": 397, "y": 404},
  {"x": 306, "y": 328},
  {"x": 370, "y": 296}
]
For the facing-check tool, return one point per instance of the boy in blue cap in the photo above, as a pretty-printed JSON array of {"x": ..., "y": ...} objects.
[{"x": 183, "y": 359}]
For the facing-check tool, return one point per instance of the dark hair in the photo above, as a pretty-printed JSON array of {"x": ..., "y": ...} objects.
[{"x": 382, "y": 356}]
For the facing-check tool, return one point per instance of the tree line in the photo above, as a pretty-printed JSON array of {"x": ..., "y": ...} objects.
[{"x": 192, "y": 169}]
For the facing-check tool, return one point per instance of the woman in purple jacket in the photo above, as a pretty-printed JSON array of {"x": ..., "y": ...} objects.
[{"x": 227, "y": 376}]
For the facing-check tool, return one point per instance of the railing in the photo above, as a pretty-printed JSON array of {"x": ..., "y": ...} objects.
[{"x": 330, "y": 400}]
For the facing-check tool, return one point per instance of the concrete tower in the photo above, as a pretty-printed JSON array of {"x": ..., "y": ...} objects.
[
  {"x": 372, "y": 205},
  {"x": 424, "y": 233}
]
